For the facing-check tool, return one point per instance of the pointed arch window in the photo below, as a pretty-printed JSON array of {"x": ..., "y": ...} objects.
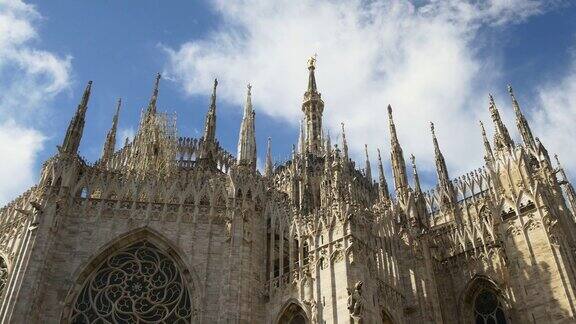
[
  {"x": 488, "y": 309},
  {"x": 137, "y": 284}
]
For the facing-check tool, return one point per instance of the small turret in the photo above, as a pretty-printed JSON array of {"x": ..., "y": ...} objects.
[
  {"x": 344, "y": 144},
  {"x": 488, "y": 155},
  {"x": 382, "y": 185},
  {"x": 247, "y": 137},
  {"x": 397, "y": 159},
  {"x": 441, "y": 170},
  {"x": 521, "y": 122},
  {"x": 209, "y": 138},
  {"x": 269, "y": 165},
  {"x": 502, "y": 139},
  {"x": 367, "y": 169},
  {"x": 154, "y": 98},
  {"x": 110, "y": 143},
  {"x": 301, "y": 138},
  {"x": 417, "y": 188},
  {"x": 76, "y": 127}
]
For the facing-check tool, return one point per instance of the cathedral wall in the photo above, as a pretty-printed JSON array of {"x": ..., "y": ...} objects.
[
  {"x": 538, "y": 272},
  {"x": 222, "y": 261}
]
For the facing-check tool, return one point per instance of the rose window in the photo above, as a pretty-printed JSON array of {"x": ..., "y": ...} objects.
[{"x": 139, "y": 284}]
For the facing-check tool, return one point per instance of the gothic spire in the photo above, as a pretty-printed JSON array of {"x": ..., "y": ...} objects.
[
  {"x": 210, "y": 124},
  {"x": 441, "y": 170},
  {"x": 247, "y": 137},
  {"x": 344, "y": 144},
  {"x": 313, "y": 107},
  {"x": 502, "y": 137},
  {"x": 154, "y": 97},
  {"x": 311, "y": 77},
  {"x": 521, "y": 122},
  {"x": 397, "y": 159},
  {"x": 488, "y": 156},
  {"x": 209, "y": 138},
  {"x": 417, "y": 187},
  {"x": 268, "y": 165},
  {"x": 383, "y": 185},
  {"x": 76, "y": 127},
  {"x": 367, "y": 169},
  {"x": 110, "y": 143}
]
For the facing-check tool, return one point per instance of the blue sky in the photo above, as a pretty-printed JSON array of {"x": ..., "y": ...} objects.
[{"x": 432, "y": 62}]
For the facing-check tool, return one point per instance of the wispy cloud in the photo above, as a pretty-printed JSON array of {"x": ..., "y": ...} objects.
[
  {"x": 421, "y": 58},
  {"x": 556, "y": 119},
  {"x": 29, "y": 79}
]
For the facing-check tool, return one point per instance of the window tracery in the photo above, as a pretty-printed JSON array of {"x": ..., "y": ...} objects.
[
  {"x": 488, "y": 309},
  {"x": 138, "y": 284}
]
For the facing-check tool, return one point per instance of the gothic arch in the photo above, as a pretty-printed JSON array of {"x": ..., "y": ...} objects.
[
  {"x": 158, "y": 268},
  {"x": 292, "y": 312},
  {"x": 483, "y": 301}
]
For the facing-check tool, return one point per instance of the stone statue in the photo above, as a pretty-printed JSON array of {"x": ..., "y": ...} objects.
[{"x": 355, "y": 302}]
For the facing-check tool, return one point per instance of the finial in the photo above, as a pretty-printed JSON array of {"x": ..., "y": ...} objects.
[
  {"x": 432, "y": 129},
  {"x": 249, "y": 86},
  {"x": 510, "y": 91},
  {"x": 158, "y": 76},
  {"x": 413, "y": 159},
  {"x": 344, "y": 142},
  {"x": 118, "y": 104},
  {"x": 215, "y": 85},
  {"x": 86, "y": 95},
  {"x": 268, "y": 167}
]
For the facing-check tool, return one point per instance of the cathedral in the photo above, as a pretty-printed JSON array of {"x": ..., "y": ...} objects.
[{"x": 172, "y": 229}]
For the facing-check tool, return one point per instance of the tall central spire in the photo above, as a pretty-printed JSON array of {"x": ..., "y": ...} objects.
[
  {"x": 313, "y": 107},
  {"x": 397, "y": 159}
]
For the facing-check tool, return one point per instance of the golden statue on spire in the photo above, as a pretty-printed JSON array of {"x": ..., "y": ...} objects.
[{"x": 312, "y": 61}]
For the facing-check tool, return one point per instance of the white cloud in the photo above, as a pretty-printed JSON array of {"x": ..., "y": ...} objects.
[
  {"x": 19, "y": 147},
  {"x": 555, "y": 121},
  {"x": 29, "y": 79},
  {"x": 420, "y": 58}
]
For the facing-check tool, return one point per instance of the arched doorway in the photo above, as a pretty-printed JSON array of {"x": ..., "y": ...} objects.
[
  {"x": 293, "y": 314},
  {"x": 139, "y": 283}
]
